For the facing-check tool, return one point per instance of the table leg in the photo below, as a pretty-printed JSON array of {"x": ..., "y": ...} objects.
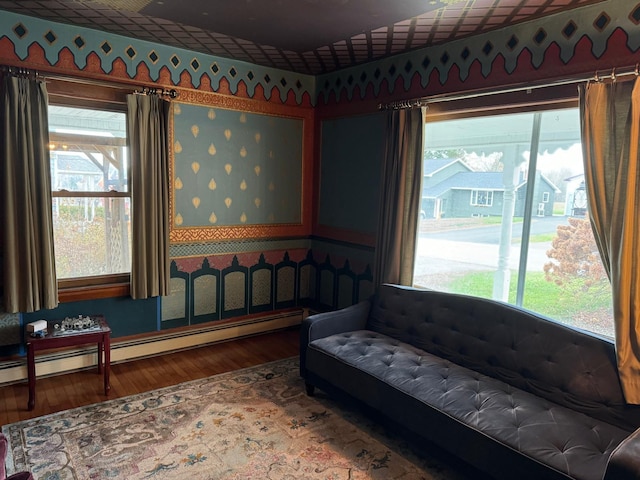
[
  {"x": 31, "y": 374},
  {"x": 100, "y": 351},
  {"x": 107, "y": 363}
]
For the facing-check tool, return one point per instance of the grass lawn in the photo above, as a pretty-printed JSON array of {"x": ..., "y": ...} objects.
[{"x": 547, "y": 298}]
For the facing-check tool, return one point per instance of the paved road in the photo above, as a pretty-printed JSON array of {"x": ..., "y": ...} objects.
[
  {"x": 477, "y": 248},
  {"x": 491, "y": 233}
]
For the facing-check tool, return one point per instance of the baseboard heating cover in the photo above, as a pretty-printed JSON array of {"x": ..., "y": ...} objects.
[{"x": 14, "y": 371}]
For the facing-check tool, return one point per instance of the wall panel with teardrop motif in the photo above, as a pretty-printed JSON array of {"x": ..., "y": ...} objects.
[{"x": 235, "y": 168}]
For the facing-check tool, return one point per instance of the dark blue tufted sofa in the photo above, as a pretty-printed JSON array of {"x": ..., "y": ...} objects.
[{"x": 517, "y": 395}]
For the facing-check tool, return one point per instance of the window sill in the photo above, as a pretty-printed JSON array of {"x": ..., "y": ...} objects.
[{"x": 93, "y": 292}]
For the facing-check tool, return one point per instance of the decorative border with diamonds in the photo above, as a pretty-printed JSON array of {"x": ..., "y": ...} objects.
[
  {"x": 57, "y": 39},
  {"x": 469, "y": 63}
]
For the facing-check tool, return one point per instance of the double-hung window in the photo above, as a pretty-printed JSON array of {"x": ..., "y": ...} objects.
[
  {"x": 534, "y": 247},
  {"x": 91, "y": 194}
]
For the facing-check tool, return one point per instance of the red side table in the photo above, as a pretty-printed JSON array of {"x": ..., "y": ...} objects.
[{"x": 57, "y": 339}]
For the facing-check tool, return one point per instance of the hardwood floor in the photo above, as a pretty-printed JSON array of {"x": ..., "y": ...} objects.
[{"x": 71, "y": 390}]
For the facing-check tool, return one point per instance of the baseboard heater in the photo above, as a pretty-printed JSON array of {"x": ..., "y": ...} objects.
[{"x": 53, "y": 363}]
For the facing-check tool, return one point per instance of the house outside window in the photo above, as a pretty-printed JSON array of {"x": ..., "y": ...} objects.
[
  {"x": 482, "y": 198},
  {"x": 91, "y": 194},
  {"x": 512, "y": 242}
]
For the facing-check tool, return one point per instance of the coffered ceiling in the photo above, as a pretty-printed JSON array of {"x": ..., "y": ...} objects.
[{"x": 305, "y": 36}]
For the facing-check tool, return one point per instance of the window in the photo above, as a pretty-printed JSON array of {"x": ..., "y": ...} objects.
[
  {"x": 534, "y": 246},
  {"x": 482, "y": 198},
  {"x": 91, "y": 194}
]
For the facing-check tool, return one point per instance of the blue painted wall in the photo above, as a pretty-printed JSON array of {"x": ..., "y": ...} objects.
[
  {"x": 351, "y": 157},
  {"x": 124, "y": 315}
]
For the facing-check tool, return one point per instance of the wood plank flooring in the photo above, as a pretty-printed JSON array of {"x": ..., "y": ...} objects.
[{"x": 71, "y": 390}]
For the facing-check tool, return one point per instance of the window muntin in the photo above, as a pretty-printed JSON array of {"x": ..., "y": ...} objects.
[
  {"x": 482, "y": 198},
  {"x": 90, "y": 190},
  {"x": 518, "y": 250}
]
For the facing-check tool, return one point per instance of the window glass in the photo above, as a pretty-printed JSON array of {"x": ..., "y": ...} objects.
[
  {"x": 525, "y": 237},
  {"x": 90, "y": 189}
]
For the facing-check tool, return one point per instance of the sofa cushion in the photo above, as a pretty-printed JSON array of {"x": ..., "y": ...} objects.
[
  {"x": 568, "y": 441},
  {"x": 551, "y": 360}
]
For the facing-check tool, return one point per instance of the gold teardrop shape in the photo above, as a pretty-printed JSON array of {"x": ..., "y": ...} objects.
[
  {"x": 179, "y": 219},
  {"x": 243, "y": 185},
  {"x": 243, "y": 118},
  {"x": 176, "y": 109},
  {"x": 213, "y": 218},
  {"x": 196, "y": 202},
  {"x": 177, "y": 147},
  {"x": 243, "y": 218},
  {"x": 195, "y": 166},
  {"x": 258, "y": 202},
  {"x": 228, "y": 168},
  {"x": 195, "y": 130},
  {"x": 227, "y": 134},
  {"x": 271, "y": 154},
  {"x": 212, "y": 184},
  {"x": 257, "y": 169},
  {"x": 243, "y": 152},
  {"x": 272, "y": 187},
  {"x": 211, "y": 114},
  {"x": 212, "y": 150},
  {"x": 178, "y": 183},
  {"x": 227, "y": 202},
  {"x": 257, "y": 136}
]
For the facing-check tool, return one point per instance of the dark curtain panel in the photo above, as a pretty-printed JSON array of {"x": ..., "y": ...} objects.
[
  {"x": 148, "y": 132},
  {"x": 400, "y": 195},
  {"x": 610, "y": 116},
  {"x": 27, "y": 234}
]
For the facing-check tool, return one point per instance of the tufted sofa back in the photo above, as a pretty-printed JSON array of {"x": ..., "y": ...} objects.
[{"x": 526, "y": 350}]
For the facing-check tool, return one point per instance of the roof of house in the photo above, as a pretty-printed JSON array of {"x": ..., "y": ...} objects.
[
  {"x": 75, "y": 164},
  {"x": 432, "y": 165},
  {"x": 469, "y": 181}
]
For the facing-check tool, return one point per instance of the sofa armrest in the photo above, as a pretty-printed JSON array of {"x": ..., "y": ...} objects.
[
  {"x": 326, "y": 324},
  {"x": 624, "y": 462}
]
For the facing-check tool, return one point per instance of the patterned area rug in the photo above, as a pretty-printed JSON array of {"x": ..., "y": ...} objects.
[{"x": 256, "y": 423}]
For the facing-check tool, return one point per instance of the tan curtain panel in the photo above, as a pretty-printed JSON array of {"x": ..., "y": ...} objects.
[
  {"x": 610, "y": 115},
  {"x": 400, "y": 196},
  {"x": 27, "y": 240},
  {"x": 148, "y": 132}
]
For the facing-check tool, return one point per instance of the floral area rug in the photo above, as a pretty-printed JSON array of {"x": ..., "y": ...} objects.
[{"x": 257, "y": 423}]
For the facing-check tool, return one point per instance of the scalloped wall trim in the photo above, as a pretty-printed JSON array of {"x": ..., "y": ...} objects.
[
  {"x": 524, "y": 47},
  {"x": 23, "y": 32}
]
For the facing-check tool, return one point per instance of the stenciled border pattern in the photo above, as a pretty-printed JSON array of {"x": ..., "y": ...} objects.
[
  {"x": 23, "y": 32},
  {"x": 457, "y": 60}
]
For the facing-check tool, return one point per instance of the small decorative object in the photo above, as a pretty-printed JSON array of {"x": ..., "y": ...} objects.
[
  {"x": 37, "y": 326},
  {"x": 76, "y": 324}
]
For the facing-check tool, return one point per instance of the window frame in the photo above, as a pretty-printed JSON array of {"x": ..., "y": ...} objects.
[
  {"x": 79, "y": 93},
  {"x": 474, "y": 198},
  {"x": 562, "y": 96}
]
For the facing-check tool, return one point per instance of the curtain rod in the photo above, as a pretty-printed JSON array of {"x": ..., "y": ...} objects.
[
  {"x": 88, "y": 81},
  {"x": 425, "y": 101}
]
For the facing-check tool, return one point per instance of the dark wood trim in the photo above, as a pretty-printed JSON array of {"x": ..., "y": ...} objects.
[
  {"x": 549, "y": 98},
  {"x": 93, "y": 292}
]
